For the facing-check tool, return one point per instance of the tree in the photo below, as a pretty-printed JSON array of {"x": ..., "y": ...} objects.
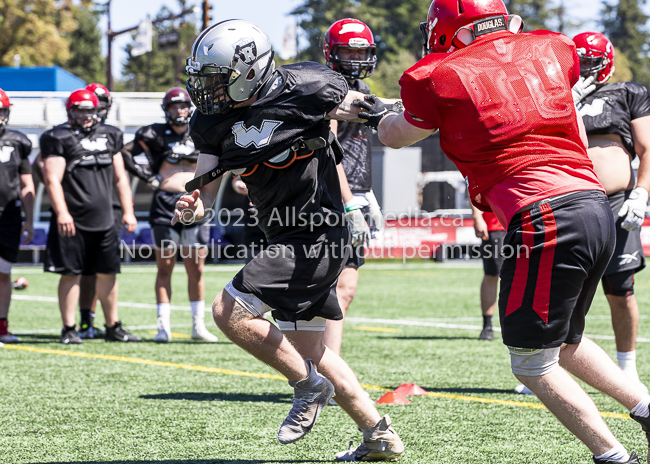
[
  {"x": 159, "y": 70},
  {"x": 624, "y": 24},
  {"x": 85, "y": 58},
  {"x": 35, "y": 30},
  {"x": 536, "y": 13}
]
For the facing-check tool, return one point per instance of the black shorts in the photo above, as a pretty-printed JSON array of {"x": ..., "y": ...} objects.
[
  {"x": 555, "y": 255},
  {"x": 628, "y": 254},
  {"x": 10, "y": 227},
  {"x": 491, "y": 252},
  {"x": 298, "y": 279},
  {"x": 87, "y": 252}
]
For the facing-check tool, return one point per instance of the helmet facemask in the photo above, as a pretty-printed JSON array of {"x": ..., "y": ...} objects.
[
  {"x": 173, "y": 114},
  {"x": 84, "y": 119},
  {"x": 354, "y": 69},
  {"x": 4, "y": 116},
  {"x": 592, "y": 62},
  {"x": 208, "y": 87}
]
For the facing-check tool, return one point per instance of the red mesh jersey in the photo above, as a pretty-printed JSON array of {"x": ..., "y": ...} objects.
[
  {"x": 492, "y": 222},
  {"x": 502, "y": 104}
]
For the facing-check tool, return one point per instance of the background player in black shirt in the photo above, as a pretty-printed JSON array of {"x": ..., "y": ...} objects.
[
  {"x": 617, "y": 119},
  {"x": 271, "y": 128},
  {"x": 349, "y": 48},
  {"x": 172, "y": 158},
  {"x": 16, "y": 188},
  {"x": 81, "y": 160}
]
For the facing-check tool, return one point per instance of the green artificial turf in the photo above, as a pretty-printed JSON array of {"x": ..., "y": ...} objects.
[{"x": 58, "y": 408}]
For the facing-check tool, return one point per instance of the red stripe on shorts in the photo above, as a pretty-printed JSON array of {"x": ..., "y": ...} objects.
[
  {"x": 518, "y": 287},
  {"x": 543, "y": 288}
]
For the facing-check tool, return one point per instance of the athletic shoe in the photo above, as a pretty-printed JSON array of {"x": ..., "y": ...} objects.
[
  {"x": 90, "y": 332},
  {"x": 118, "y": 334},
  {"x": 487, "y": 333},
  {"x": 310, "y": 397},
  {"x": 523, "y": 390},
  {"x": 645, "y": 425},
  {"x": 201, "y": 333},
  {"x": 380, "y": 443},
  {"x": 69, "y": 336},
  {"x": 8, "y": 337},
  {"x": 634, "y": 459},
  {"x": 162, "y": 336}
]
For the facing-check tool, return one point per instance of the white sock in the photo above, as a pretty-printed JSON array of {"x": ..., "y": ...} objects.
[
  {"x": 617, "y": 453},
  {"x": 164, "y": 313},
  {"x": 198, "y": 311},
  {"x": 627, "y": 362},
  {"x": 642, "y": 409}
]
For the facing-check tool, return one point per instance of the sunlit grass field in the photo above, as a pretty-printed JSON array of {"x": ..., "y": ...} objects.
[{"x": 195, "y": 402}]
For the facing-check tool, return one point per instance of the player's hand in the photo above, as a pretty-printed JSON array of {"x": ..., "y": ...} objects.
[
  {"x": 27, "y": 232},
  {"x": 65, "y": 224},
  {"x": 481, "y": 229},
  {"x": 189, "y": 209},
  {"x": 129, "y": 223},
  {"x": 239, "y": 186},
  {"x": 375, "y": 109},
  {"x": 358, "y": 226},
  {"x": 583, "y": 88},
  {"x": 153, "y": 181},
  {"x": 633, "y": 210}
]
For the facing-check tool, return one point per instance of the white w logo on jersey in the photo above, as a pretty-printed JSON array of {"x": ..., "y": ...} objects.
[
  {"x": 245, "y": 137},
  {"x": 594, "y": 108},
  {"x": 628, "y": 258},
  {"x": 95, "y": 145},
  {"x": 5, "y": 153},
  {"x": 179, "y": 148}
]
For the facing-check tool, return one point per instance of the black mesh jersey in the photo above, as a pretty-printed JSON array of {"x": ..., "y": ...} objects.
[
  {"x": 88, "y": 179},
  {"x": 292, "y": 105},
  {"x": 164, "y": 145},
  {"x": 15, "y": 148},
  {"x": 612, "y": 108},
  {"x": 356, "y": 140}
]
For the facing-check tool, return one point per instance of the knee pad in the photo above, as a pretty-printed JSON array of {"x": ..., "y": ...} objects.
[
  {"x": 619, "y": 284},
  {"x": 533, "y": 362}
]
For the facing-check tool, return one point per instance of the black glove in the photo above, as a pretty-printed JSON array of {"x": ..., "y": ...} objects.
[{"x": 376, "y": 110}]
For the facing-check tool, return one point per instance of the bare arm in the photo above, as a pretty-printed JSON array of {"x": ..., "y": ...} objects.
[
  {"x": 53, "y": 171},
  {"x": 641, "y": 137},
  {"x": 27, "y": 194},
  {"x": 480, "y": 227},
  {"x": 346, "y": 111},
  {"x": 396, "y": 132},
  {"x": 583, "y": 131},
  {"x": 121, "y": 180}
]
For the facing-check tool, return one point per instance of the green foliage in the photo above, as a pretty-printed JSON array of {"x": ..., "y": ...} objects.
[
  {"x": 157, "y": 71},
  {"x": 622, "y": 70},
  {"x": 385, "y": 81},
  {"x": 86, "y": 59},
  {"x": 535, "y": 13},
  {"x": 624, "y": 23}
]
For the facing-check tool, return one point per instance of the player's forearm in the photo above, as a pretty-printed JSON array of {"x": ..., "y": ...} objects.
[
  {"x": 27, "y": 195},
  {"x": 396, "y": 132},
  {"x": 346, "y": 193},
  {"x": 57, "y": 197},
  {"x": 124, "y": 193}
]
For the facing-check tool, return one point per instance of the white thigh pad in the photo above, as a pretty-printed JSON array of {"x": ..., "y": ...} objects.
[
  {"x": 248, "y": 301},
  {"x": 5, "y": 266},
  {"x": 317, "y": 324},
  {"x": 533, "y": 362}
]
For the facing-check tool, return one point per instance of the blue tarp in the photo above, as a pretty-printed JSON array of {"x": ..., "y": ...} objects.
[{"x": 39, "y": 78}]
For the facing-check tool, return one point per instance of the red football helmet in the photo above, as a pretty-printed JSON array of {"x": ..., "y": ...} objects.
[
  {"x": 596, "y": 54},
  {"x": 5, "y": 107},
  {"x": 82, "y": 107},
  {"x": 459, "y": 22},
  {"x": 104, "y": 97},
  {"x": 177, "y": 95},
  {"x": 352, "y": 34}
]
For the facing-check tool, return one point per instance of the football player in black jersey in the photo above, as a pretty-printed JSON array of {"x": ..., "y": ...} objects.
[
  {"x": 617, "y": 119},
  {"x": 81, "y": 161},
  {"x": 172, "y": 157},
  {"x": 16, "y": 188},
  {"x": 349, "y": 48},
  {"x": 271, "y": 128}
]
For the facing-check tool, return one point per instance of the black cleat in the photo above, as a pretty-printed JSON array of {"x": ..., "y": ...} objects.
[
  {"x": 634, "y": 459},
  {"x": 118, "y": 334},
  {"x": 645, "y": 425},
  {"x": 487, "y": 333},
  {"x": 69, "y": 336}
]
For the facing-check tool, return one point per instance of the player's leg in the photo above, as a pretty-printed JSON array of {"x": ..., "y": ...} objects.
[
  {"x": 68, "y": 293},
  {"x": 166, "y": 240},
  {"x": 492, "y": 262},
  {"x": 5, "y": 300},
  {"x": 87, "y": 303},
  {"x": 346, "y": 288},
  {"x": 194, "y": 250},
  {"x": 10, "y": 237}
]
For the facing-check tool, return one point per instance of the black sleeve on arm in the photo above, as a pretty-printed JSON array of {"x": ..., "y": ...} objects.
[{"x": 638, "y": 100}]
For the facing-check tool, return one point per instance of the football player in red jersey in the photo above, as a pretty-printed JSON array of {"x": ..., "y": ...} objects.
[
  {"x": 16, "y": 189},
  {"x": 503, "y": 104},
  {"x": 617, "y": 119}
]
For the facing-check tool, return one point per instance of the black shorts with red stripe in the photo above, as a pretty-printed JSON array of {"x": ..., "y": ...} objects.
[{"x": 555, "y": 255}]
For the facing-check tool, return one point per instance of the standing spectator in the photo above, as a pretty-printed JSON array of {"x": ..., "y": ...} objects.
[
  {"x": 16, "y": 189},
  {"x": 502, "y": 102},
  {"x": 172, "y": 157},
  {"x": 81, "y": 160},
  {"x": 488, "y": 228}
]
